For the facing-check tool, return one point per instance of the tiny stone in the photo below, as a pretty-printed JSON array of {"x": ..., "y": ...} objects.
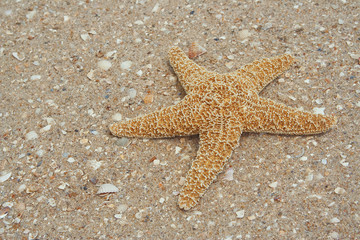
[
  {"x": 126, "y": 65},
  {"x": 18, "y": 56},
  {"x": 117, "y": 117},
  {"x": 31, "y": 14},
  {"x": 132, "y": 93},
  {"x": 156, "y": 162},
  {"x": 244, "y": 34},
  {"x": 252, "y": 217},
  {"x": 122, "y": 208},
  {"x": 162, "y": 200},
  {"x": 40, "y": 153},
  {"x": 35, "y": 77},
  {"x": 339, "y": 190},
  {"x": 85, "y": 36},
  {"x": 122, "y": 142},
  {"x": 139, "y": 73},
  {"x": 31, "y": 135},
  {"x": 341, "y": 21},
  {"x": 71, "y": 160},
  {"x": 319, "y": 101},
  {"x": 240, "y": 214},
  {"x": 335, "y": 220},
  {"x": 334, "y": 235},
  {"x": 319, "y": 110},
  {"x": 273, "y": 185},
  {"x": 45, "y": 129},
  {"x": 304, "y": 158},
  {"x": 104, "y": 65}
]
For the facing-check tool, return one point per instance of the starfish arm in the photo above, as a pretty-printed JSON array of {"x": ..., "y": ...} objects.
[
  {"x": 271, "y": 117},
  {"x": 262, "y": 72},
  {"x": 172, "y": 121},
  {"x": 216, "y": 146},
  {"x": 186, "y": 70}
]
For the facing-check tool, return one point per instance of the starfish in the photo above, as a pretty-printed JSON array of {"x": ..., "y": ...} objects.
[{"x": 218, "y": 108}]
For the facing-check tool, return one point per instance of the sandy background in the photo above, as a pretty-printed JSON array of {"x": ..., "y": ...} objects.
[{"x": 56, "y": 105}]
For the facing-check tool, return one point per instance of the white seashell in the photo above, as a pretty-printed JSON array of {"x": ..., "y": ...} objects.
[
  {"x": 5, "y": 177},
  {"x": 107, "y": 188}
]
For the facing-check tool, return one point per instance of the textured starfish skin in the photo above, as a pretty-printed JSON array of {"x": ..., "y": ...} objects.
[{"x": 219, "y": 107}]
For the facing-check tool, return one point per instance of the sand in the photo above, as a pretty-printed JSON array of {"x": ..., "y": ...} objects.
[{"x": 70, "y": 68}]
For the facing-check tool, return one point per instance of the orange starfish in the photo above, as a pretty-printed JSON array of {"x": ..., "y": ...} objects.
[{"x": 219, "y": 107}]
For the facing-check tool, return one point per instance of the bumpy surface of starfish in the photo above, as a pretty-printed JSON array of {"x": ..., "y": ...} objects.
[{"x": 219, "y": 107}]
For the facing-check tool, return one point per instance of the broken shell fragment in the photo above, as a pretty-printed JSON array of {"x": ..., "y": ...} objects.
[
  {"x": 4, "y": 211},
  {"x": 107, "y": 188},
  {"x": 5, "y": 176}
]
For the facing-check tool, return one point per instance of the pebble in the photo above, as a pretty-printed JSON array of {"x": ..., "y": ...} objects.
[
  {"x": 122, "y": 208},
  {"x": 303, "y": 158},
  {"x": 52, "y": 202},
  {"x": 31, "y": 14},
  {"x": 335, "y": 220},
  {"x": 156, "y": 162},
  {"x": 244, "y": 34},
  {"x": 40, "y": 152},
  {"x": 122, "y": 142},
  {"x": 90, "y": 74},
  {"x": 149, "y": 98},
  {"x": 126, "y": 65},
  {"x": 35, "y": 77},
  {"x": 273, "y": 185},
  {"x": 334, "y": 235},
  {"x": 107, "y": 188},
  {"x": 161, "y": 200},
  {"x": 196, "y": 50},
  {"x": 132, "y": 93},
  {"x": 85, "y": 36},
  {"x": 155, "y": 8},
  {"x": 18, "y": 56},
  {"x": 339, "y": 190},
  {"x": 229, "y": 174},
  {"x": 139, "y": 73},
  {"x": 117, "y": 117},
  {"x": 95, "y": 164},
  {"x": 45, "y": 129},
  {"x": 21, "y": 188},
  {"x": 104, "y": 65},
  {"x": 319, "y": 110},
  {"x": 4, "y": 211},
  {"x": 31, "y": 135},
  {"x": 240, "y": 214},
  {"x": 71, "y": 160},
  {"x": 5, "y": 176}
]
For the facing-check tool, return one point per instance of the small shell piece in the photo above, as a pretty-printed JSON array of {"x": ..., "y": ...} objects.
[
  {"x": 4, "y": 177},
  {"x": 196, "y": 50},
  {"x": 107, "y": 188},
  {"x": 4, "y": 211}
]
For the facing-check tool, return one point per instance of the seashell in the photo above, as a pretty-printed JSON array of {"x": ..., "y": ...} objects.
[
  {"x": 107, "y": 188},
  {"x": 5, "y": 176},
  {"x": 4, "y": 211},
  {"x": 196, "y": 50}
]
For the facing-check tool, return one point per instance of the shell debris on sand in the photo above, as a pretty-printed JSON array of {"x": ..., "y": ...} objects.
[{"x": 107, "y": 188}]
